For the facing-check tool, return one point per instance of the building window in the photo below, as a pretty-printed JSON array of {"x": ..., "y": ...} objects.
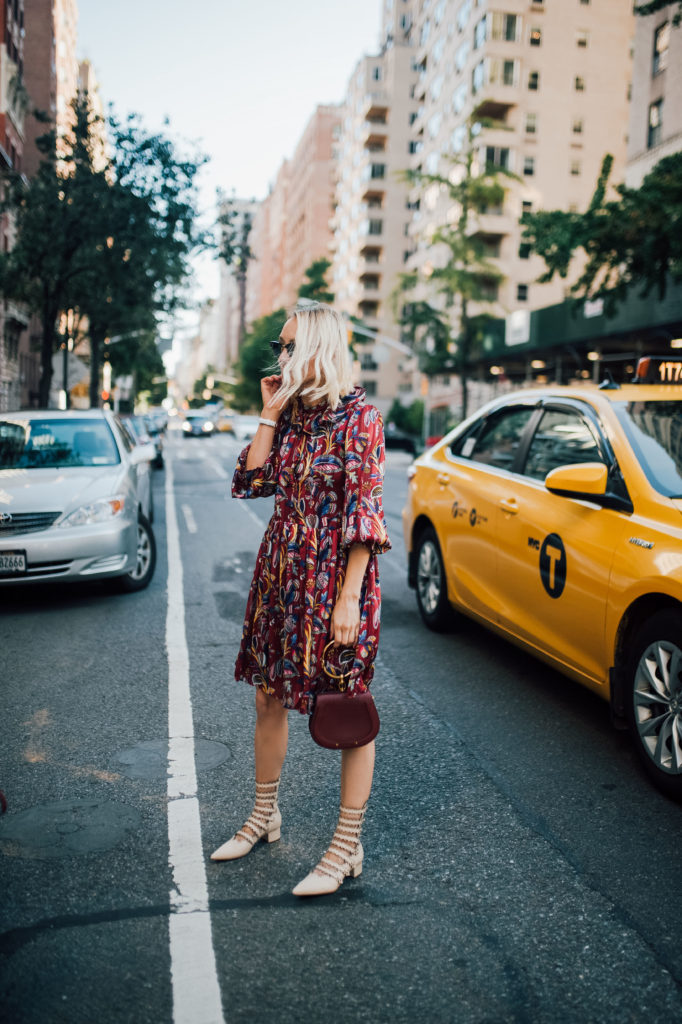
[
  {"x": 661, "y": 44},
  {"x": 526, "y": 206},
  {"x": 461, "y": 55},
  {"x": 498, "y": 156},
  {"x": 655, "y": 131},
  {"x": 531, "y": 124},
  {"x": 370, "y": 387},
  {"x": 524, "y": 251},
  {"x": 575, "y": 168},
  {"x": 505, "y": 26},
  {"x": 579, "y": 84},
  {"x": 480, "y": 32},
  {"x": 585, "y": 3},
  {"x": 582, "y": 39},
  {"x": 378, "y": 171},
  {"x": 521, "y": 292},
  {"x": 535, "y": 37},
  {"x": 534, "y": 81},
  {"x": 376, "y": 227},
  {"x": 478, "y": 77},
  {"x": 414, "y": 114},
  {"x": 577, "y": 126},
  {"x": 529, "y": 166},
  {"x": 459, "y": 98},
  {"x": 376, "y": 74},
  {"x": 503, "y": 71},
  {"x": 414, "y": 146}
]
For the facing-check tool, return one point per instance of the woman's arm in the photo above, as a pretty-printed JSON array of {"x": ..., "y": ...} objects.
[
  {"x": 345, "y": 624},
  {"x": 261, "y": 446}
]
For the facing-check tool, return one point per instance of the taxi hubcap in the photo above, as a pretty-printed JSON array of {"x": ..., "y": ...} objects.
[
  {"x": 658, "y": 704},
  {"x": 144, "y": 553},
  {"x": 428, "y": 577}
]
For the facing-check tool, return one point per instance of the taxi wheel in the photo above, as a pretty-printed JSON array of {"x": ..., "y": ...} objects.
[
  {"x": 654, "y": 702},
  {"x": 432, "y": 589},
  {"x": 145, "y": 563}
]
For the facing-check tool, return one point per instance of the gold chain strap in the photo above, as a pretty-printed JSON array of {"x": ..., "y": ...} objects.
[{"x": 347, "y": 657}]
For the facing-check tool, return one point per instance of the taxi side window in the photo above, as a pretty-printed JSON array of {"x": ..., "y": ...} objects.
[
  {"x": 562, "y": 437},
  {"x": 498, "y": 440}
]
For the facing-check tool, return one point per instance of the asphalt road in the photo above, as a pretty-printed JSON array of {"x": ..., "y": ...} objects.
[{"x": 518, "y": 866}]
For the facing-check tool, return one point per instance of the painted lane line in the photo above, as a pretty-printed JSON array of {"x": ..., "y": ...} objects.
[
  {"x": 253, "y": 515},
  {"x": 221, "y": 473},
  {"x": 190, "y": 521},
  {"x": 194, "y": 978}
]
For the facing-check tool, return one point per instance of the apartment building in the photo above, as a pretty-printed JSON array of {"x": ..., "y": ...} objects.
[
  {"x": 233, "y": 292},
  {"x": 372, "y": 218},
  {"x": 546, "y": 87},
  {"x": 656, "y": 104},
  {"x": 13, "y": 103}
]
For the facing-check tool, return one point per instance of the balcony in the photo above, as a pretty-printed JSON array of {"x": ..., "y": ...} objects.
[
  {"x": 370, "y": 283},
  {"x": 493, "y": 225},
  {"x": 494, "y": 101},
  {"x": 371, "y": 253},
  {"x": 376, "y": 105},
  {"x": 375, "y": 138}
]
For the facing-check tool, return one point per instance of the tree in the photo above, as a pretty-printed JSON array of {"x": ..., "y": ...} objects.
[
  {"x": 466, "y": 275},
  {"x": 634, "y": 241},
  {"x": 658, "y": 5},
  {"x": 315, "y": 287},
  {"x": 106, "y": 236},
  {"x": 256, "y": 360},
  {"x": 234, "y": 248}
]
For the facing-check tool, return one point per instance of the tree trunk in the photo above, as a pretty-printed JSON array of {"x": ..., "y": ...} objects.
[
  {"x": 46, "y": 352},
  {"x": 464, "y": 359},
  {"x": 96, "y": 337}
]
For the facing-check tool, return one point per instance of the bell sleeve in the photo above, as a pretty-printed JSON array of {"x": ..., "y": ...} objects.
[
  {"x": 260, "y": 482},
  {"x": 363, "y": 519}
]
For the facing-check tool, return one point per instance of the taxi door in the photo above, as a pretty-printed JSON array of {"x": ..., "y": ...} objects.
[
  {"x": 472, "y": 481},
  {"x": 556, "y": 553}
]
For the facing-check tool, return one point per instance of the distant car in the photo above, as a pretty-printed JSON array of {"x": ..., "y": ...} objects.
[
  {"x": 145, "y": 431},
  {"x": 554, "y": 517},
  {"x": 225, "y": 421},
  {"x": 400, "y": 439},
  {"x": 245, "y": 427},
  {"x": 76, "y": 500},
  {"x": 198, "y": 424}
]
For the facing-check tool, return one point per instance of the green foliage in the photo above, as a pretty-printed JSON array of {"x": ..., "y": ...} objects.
[
  {"x": 140, "y": 357},
  {"x": 409, "y": 418},
  {"x": 256, "y": 360},
  {"x": 658, "y": 5},
  {"x": 315, "y": 286},
  {"x": 634, "y": 241},
  {"x": 107, "y": 232}
]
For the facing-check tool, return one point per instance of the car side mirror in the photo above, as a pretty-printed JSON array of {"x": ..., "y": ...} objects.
[
  {"x": 142, "y": 453},
  {"x": 579, "y": 480}
]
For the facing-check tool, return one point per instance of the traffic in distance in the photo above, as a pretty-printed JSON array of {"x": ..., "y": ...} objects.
[{"x": 554, "y": 517}]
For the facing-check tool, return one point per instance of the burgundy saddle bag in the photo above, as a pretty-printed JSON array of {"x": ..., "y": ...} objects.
[{"x": 340, "y": 720}]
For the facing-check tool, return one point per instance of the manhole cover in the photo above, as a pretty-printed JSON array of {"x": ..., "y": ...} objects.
[
  {"x": 149, "y": 759},
  {"x": 66, "y": 828}
]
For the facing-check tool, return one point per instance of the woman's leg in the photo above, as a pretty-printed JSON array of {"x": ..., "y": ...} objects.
[
  {"x": 272, "y": 734},
  {"x": 357, "y": 769}
]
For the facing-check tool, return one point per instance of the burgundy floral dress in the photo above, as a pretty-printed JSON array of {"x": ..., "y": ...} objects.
[{"x": 325, "y": 470}]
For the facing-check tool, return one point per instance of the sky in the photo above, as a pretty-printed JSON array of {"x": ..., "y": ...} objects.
[{"x": 239, "y": 77}]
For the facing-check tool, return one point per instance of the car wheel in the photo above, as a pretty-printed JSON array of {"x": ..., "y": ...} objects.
[
  {"x": 141, "y": 575},
  {"x": 654, "y": 699},
  {"x": 432, "y": 590}
]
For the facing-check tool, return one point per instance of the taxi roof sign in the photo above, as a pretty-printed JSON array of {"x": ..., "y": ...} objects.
[{"x": 658, "y": 370}]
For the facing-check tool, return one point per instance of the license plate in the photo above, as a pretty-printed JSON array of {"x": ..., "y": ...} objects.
[{"x": 12, "y": 563}]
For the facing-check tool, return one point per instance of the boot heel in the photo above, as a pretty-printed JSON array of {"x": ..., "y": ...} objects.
[
  {"x": 272, "y": 837},
  {"x": 356, "y": 870}
]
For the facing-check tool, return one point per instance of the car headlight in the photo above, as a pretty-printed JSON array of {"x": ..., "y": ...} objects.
[
  {"x": 96, "y": 512},
  {"x": 208, "y": 427},
  {"x": 186, "y": 426}
]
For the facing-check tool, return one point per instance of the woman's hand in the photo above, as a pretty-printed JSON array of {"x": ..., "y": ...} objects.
[
  {"x": 269, "y": 388},
  {"x": 345, "y": 624}
]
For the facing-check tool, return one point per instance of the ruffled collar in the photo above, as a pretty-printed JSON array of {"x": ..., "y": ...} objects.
[{"x": 310, "y": 418}]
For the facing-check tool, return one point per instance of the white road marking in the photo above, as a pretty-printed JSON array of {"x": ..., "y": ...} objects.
[
  {"x": 194, "y": 978},
  {"x": 189, "y": 519},
  {"x": 217, "y": 468},
  {"x": 253, "y": 515}
]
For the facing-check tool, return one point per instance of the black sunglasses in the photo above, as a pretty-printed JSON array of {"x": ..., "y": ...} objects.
[{"x": 277, "y": 345}]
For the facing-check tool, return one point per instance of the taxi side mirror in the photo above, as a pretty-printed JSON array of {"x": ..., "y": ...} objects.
[{"x": 579, "y": 480}]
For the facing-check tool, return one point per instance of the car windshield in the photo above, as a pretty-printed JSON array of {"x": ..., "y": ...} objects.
[
  {"x": 46, "y": 443},
  {"x": 654, "y": 429}
]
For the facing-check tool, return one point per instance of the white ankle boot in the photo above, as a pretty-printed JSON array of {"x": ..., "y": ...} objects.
[
  {"x": 347, "y": 852},
  {"x": 265, "y": 823}
]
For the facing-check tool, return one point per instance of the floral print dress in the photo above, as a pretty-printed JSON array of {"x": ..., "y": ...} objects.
[{"x": 325, "y": 470}]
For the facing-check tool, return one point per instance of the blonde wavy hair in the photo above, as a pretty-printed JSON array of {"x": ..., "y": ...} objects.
[{"x": 321, "y": 337}]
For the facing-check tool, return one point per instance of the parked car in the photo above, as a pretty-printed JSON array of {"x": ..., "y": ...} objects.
[
  {"x": 554, "y": 517},
  {"x": 76, "y": 500},
  {"x": 144, "y": 430},
  {"x": 198, "y": 424},
  {"x": 400, "y": 439}
]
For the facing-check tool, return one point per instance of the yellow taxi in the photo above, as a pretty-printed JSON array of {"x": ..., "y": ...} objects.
[{"x": 554, "y": 517}]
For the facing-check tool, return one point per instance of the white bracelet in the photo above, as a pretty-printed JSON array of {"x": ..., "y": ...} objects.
[{"x": 267, "y": 423}]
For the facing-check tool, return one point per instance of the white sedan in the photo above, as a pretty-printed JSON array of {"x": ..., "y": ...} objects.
[{"x": 75, "y": 499}]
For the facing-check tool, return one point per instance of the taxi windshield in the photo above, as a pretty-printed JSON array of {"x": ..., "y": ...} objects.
[{"x": 654, "y": 430}]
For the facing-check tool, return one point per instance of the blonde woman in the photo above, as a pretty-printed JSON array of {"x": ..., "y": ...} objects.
[{"x": 319, "y": 449}]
